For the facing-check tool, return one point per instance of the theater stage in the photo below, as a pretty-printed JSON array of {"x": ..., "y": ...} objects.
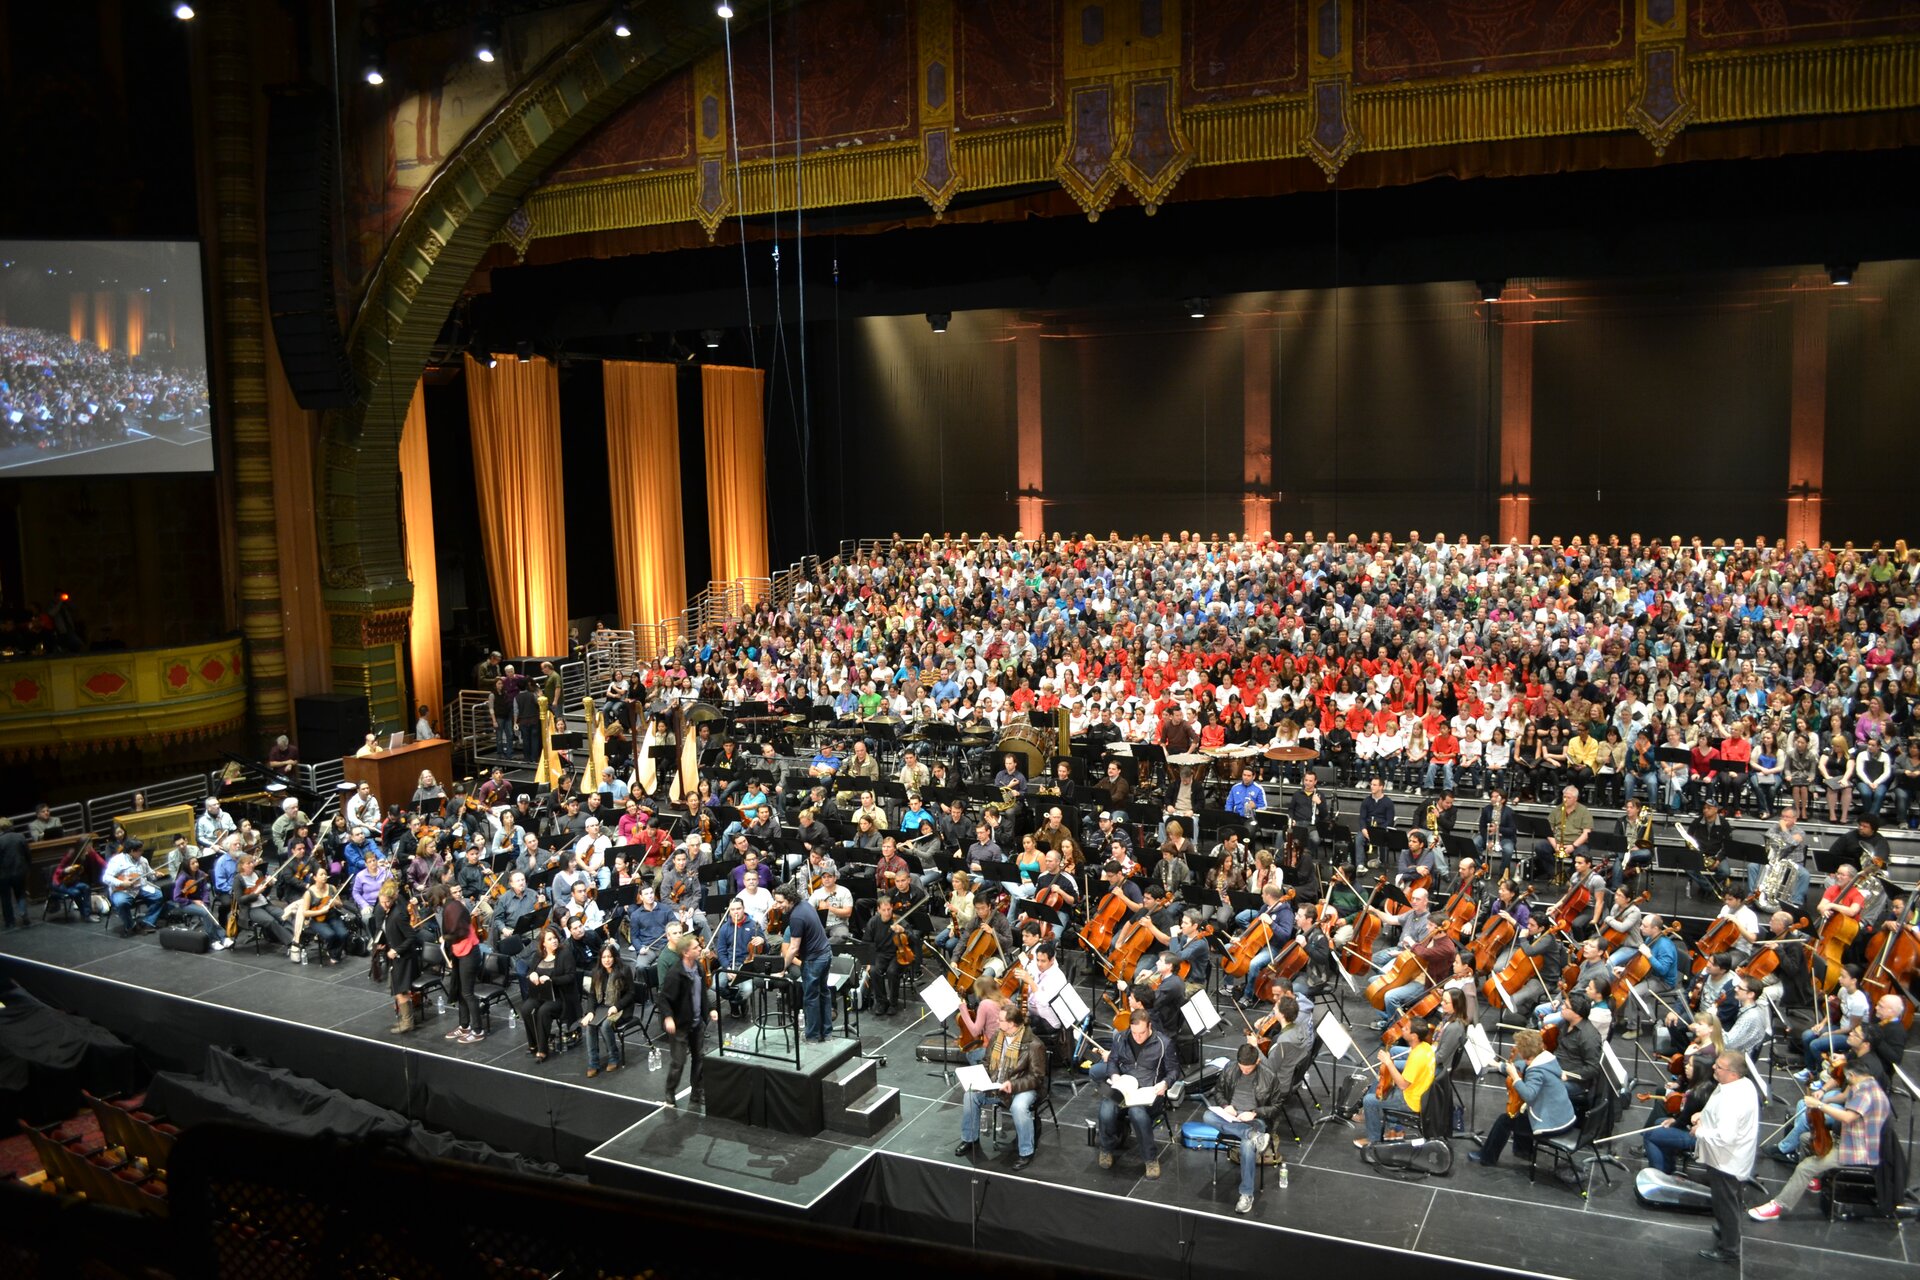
[{"x": 330, "y": 1024}]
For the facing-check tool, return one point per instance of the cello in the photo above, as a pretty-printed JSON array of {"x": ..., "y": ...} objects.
[
  {"x": 1894, "y": 967},
  {"x": 982, "y": 946},
  {"x": 1567, "y": 912},
  {"x": 1461, "y": 909},
  {"x": 1357, "y": 955},
  {"x": 1766, "y": 955},
  {"x": 1498, "y": 935},
  {"x": 1720, "y": 935},
  {"x": 1249, "y": 943},
  {"x": 1637, "y": 968},
  {"x": 1404, "y": 968},
  {"x": 1610, "y": 939},
  {"x": 1098, "y": 931}
]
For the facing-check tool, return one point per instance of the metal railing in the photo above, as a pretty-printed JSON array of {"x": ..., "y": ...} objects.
[
  {"x": 72, "y": 818},
  {"x": 191, "y": 790}
]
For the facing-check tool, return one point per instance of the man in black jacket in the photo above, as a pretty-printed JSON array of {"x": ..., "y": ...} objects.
[
  {"x": 1310, "y": 813},
  {"x": 688, "y": 1006},
  {"x": 1376, "y": 812},
  {"x": 1147, "y": 1056}
]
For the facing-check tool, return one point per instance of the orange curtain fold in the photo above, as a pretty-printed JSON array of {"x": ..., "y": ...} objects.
[
  {"x": 136, "y": 321},
  {"x": 643, "y": 470},
  {"x": 77, "y": 316},
  {"x": 514, "y": 410},
  {"x": 736, "y": 471},
  {"x": 103, "y": 320},
  {"x": 423, "y": 566}
]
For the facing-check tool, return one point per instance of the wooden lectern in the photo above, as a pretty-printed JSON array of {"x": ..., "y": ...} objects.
[{"x": 395, "y": 772}]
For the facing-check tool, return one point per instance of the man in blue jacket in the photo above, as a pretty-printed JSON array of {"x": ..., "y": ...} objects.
[
  {"x": 1375, "y": 811},
  {"x": 1547, "y": 1108}
]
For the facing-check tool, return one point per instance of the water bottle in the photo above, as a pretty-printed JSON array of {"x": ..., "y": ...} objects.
[
  {"x": 653, "y": 1058},
  {"x": 440, "y": 1002},
  {"x": 510, "y": 1018},
  {"x": 1283, "y": 1177}
]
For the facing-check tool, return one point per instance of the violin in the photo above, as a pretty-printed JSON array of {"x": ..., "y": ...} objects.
[
  {"x": 777, "y": 917},
  {"x": 678, "y": 892}
]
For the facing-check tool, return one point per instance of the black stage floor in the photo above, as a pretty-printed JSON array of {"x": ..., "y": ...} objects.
[{"x": 331, "y": 1024}]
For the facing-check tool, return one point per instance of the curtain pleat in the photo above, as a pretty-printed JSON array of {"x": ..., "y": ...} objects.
[
  {"x": 736, "y": 471},
  {"x": 514, "y": 410},
  {"x": 643, "y": 471},
  {"x": 416, "y": 505}
]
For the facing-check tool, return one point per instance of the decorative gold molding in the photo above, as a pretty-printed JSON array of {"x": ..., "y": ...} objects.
[{"x": 1878, "y": 74}]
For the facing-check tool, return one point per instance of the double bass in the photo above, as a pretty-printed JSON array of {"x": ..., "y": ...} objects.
[{"x": 1895, "y": 964}]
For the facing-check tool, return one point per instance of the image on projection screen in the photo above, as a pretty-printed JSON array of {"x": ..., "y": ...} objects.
[{"x": 103, "y": 358}]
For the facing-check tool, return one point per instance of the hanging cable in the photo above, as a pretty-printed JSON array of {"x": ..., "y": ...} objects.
[{"x": 739, "y": 198}]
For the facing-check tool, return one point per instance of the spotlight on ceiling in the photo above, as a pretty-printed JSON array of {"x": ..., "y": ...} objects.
[
  {"x": 373, "y": 67},
  {"x": 1196, "y": 308},
  {"x": 712, "y": 338},
  {"x": 1490, "y": 289},
  {"x": 938, "y": 320},
  {"x": 523, "y": 351},
  {"x": 486, "y": 38},
  {"x": 1841, "y": 273},
  {"x": 183, "y": 11},
  {"x": 725, "y": 11},
  {"x": 622, "y": 21},
  {"x": 482, "y": 356}
]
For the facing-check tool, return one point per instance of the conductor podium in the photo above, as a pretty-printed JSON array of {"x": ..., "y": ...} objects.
[{"x": 395, "y": 772}]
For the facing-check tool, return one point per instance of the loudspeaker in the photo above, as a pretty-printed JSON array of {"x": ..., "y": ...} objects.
[
  {"x": 300, "y": 194},
  {"x": 186, "y": 939},
  {"x": 330, "y": 725}
]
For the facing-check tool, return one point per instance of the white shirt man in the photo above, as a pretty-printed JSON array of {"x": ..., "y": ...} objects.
[
  {"x": 212, "y": 825},
  {"x": 363, "y": 810}
]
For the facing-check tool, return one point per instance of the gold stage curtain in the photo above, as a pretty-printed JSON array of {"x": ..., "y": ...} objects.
[
  {"x": 736, "y": 471},
  {"x": 416, "y": 505},
  {"x": 643, "y": 470},
  {"x": 514, "y": 410}
]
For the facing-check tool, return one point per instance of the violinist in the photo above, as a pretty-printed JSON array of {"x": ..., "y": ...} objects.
[
  {"x": 1277, "y": 911},
  {"x": 510, "y": 914},
  {"x": 883, "y": 934},
  {"x": 365, "y": 889},
  {"x": 316, "y": 905},
  {"x": 1055, "y": 887},
  {"x": 1407, "y": 1083},
  {"x": 251, "y": 883},
  {"x": 469, "y": 880},
  {"x": 583, "y": 907},
  {"x": 647, "y": 921},
  {"x": 397, "y": 937},
  {"x": 1499, "y": 831},
  {"x": 1537, "y": 1107},
  {"x": 960, "y": 909},
  {"x": 1861, "y": 1113},
  {"x": 191, "y": 893},
  {"x": 1144, "y": 1054},
  {"x": 733, "y": 946},
  {"x": 677, "y": 883}
]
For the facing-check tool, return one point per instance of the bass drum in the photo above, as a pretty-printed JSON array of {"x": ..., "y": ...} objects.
[{"x": 1032, "y": 744}]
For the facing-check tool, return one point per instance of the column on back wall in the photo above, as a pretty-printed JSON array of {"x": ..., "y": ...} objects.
[
  {"x": 1515, "y": 482},
  {"x": 643, "y": 466},
  {"x": 423, "y": 566},
  {"x": 514, "y": 413},
  {"x": 1807, "y": 421},
  {"x": 1031, "y": 432},
  {"x": 103, "y": 319},
  {"x": 730, "y": 402},
  {"x": 1256, "y": 514}
]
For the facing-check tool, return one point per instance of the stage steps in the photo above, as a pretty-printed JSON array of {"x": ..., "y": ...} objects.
[{"x": 856, "y": 1102}]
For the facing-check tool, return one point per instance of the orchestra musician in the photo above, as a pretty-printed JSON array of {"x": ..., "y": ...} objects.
[
  {"x": 79, "y": 870},
  {"x": 1861, "y": 1113},
  {"x": 1277, "y": 911},
  {"x": 316, "y": 906},
  {"x": 1435, "y": 950},
  {"x": 1636, "y": 832},
  {"x": 1499, "y": 832},
  {"x": 611, "y": 993},
  {"x": 687, "y": 1000},
  {"x": 1144, "y": 1054},
  {"x": 397, "y": 934},
  {"x": 128, "y": 879},
  {"x": 460, "y": 948},
  {"x": 191, "y": 896},
  {"x": 733, "y": 945},
  {"x": 1016, "y": 1063},
  {"x": 1310, "y": 814},
  {"x": 886, "y": 971},
  {"x": 1376, "y": 814},
  {"x": 1572, "y": 826},
  {"x": 510, "y": 913},
  {"x": 1415, "y": 860},
  {"x": 1534, "y": 1077},
  {"x": 1408, "y": 1080}
]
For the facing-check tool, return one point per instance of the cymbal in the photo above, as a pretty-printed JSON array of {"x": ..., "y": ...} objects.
[
  {"x": 793, "y": 719},
  {"x": 885, "y": 720}
]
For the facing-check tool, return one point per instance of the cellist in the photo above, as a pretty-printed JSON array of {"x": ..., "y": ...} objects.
[{"x": 1277, "y": 912}]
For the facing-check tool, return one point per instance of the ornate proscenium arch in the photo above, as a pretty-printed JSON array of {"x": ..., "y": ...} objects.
[{"x": 419, "y": 279}]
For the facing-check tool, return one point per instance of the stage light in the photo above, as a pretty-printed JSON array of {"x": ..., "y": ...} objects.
[
  {"x": 938, "y": 320},
  {"x": 372, "y": 71},
  {"x": 622, "y": 22},
  {"x": 712, "y": 338},
  {"x": 1196, "y": 308},
  {"x": 1841, "y": 273},
  {"x": 486, "y": 37},
  {"x": 523, "y": 351},
  {"x": 183, "y": 11},
  {"x": 1490, "y": 290},
  {"x": 725, "y": 11}
]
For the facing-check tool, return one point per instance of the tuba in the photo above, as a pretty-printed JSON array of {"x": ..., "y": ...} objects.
[{"x": 1778, "y": 877}]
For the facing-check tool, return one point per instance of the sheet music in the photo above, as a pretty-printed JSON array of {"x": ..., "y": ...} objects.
[
  {"x": 1759, "y": 1078},
  {"x": 1616, "y": 1072},
  {"x": 1200, "y": 1014},
  {"x": 1335, "y": 1038},
  {"x": 1506, "y": 997},
  {"x": 1131, "y": 1093},
  {"x": 941, "y": 999},
  {"x": 1479, "y": 1050},
  {"x": 974, "y": 1079},
  {"x": 1068, "y": 1002}
]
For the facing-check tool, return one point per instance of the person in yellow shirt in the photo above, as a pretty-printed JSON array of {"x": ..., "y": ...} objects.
[
  {"x": 1583, "y": 755},
  {"x": 1410, "y": 1082}
]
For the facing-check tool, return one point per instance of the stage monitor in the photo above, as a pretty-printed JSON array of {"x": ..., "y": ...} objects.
[{"x": 103, "y": 358}]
